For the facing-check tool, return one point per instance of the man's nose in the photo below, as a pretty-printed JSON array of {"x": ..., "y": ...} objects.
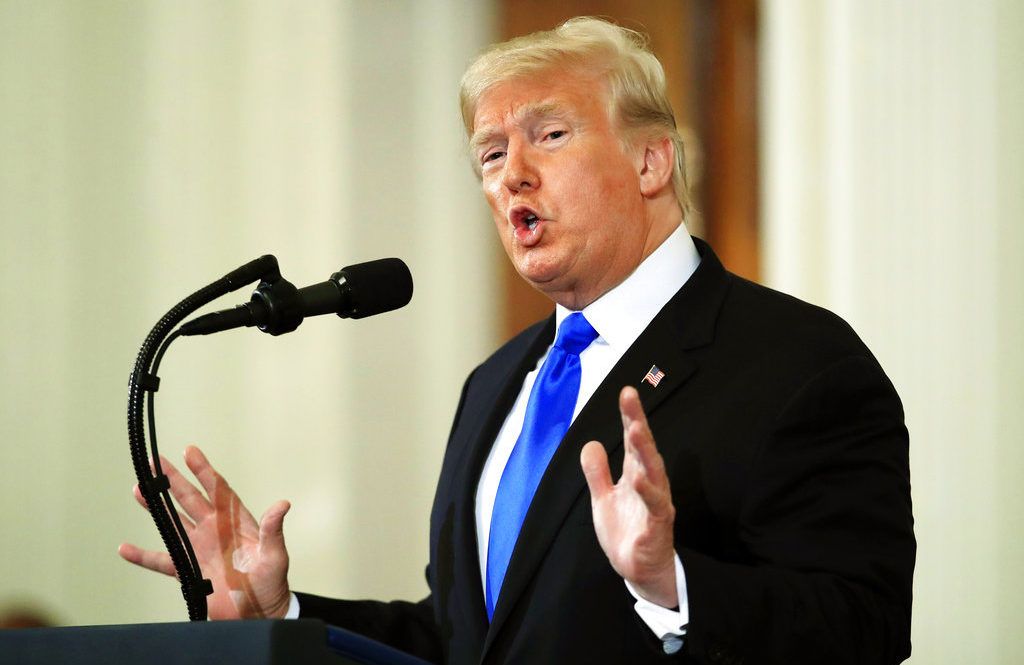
[{"x": 520, "y": 169}]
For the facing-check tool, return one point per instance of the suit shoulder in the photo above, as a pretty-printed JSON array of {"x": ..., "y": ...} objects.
[
  {"x": 780, "y": 347},
  {"x": 782, "y": 323}
]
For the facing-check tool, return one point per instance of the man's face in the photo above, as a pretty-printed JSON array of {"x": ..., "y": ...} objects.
[{"x": 564, "y": 192}]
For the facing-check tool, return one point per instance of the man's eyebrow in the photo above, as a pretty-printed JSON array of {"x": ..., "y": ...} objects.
[
  {"x": 542, "y": 110},
  {"x": 483, "y": 137},
  {"x": 539, "y": 110}
]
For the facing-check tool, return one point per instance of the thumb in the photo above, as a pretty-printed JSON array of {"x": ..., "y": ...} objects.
[
  {"x": 594, "y": 460},
  {"x": 272, "y": 525}
]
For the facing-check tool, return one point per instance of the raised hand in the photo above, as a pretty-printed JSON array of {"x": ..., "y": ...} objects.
[
  {"x": 246, "y": 561},
  {"x": 633, "y": 518}
]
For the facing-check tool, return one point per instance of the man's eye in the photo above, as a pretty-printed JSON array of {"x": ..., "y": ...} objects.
[
  {"x": 491, "y": 156},
  {"x": 557, "y": 134}
]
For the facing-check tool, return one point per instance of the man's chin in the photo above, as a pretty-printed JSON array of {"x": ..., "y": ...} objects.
[
  {"x": 553, "y": 278},
  {"x": 542, "y": 278},
  {"x": 557, "y": 288}
]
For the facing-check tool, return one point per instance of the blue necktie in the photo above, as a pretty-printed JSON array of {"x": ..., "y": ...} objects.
[{"x": 548, "y": 415}]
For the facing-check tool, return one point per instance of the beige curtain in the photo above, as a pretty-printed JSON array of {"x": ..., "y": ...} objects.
[
  {"x": 893, "y": 135},
  {"x": 146, "y": 148}
]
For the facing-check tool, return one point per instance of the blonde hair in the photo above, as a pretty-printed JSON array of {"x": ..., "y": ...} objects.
[{"x": 621, "y": 56}]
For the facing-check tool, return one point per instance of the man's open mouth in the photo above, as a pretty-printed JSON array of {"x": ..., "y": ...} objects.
[
  {"x": 523, "y": 216},
  {"x": 527, "y": 225}
]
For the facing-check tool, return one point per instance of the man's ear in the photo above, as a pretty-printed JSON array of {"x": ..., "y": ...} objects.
[{"x": 659, "y": 159}]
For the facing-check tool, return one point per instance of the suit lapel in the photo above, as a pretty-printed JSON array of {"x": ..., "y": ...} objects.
[
  {"x": 479, "y": 436},
  {"x": 686, "y": 322}
]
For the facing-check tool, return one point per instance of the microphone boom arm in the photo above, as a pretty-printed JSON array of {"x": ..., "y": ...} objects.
[
  {"x": 142, "y": 385},
  {"x": 276, "y": 307}
]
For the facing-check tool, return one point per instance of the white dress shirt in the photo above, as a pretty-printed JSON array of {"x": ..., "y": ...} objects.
[{"x": 619, "y": 317}]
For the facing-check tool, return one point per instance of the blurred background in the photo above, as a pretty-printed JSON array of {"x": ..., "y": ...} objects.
[{"x": 865, "y": 155}]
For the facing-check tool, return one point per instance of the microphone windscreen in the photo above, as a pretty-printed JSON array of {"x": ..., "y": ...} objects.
[{"x": 377, "y": 286}]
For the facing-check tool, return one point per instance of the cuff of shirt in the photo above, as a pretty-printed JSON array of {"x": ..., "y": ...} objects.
[
  {"x": 668, "y": 625},
  {"x": 293, "y": 607}
]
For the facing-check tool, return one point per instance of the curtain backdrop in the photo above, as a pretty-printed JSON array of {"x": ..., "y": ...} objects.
[
  {"x": 893, "y": 136},
  {"x": 147, "y": 148}
]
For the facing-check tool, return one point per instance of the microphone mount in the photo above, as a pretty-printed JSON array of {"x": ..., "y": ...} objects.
[
  {"x": 142, "y": 387},
  {"x": 276, "y": 307}
]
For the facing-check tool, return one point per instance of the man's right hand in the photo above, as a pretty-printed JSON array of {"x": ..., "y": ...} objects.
[{"x": 246, "y": 561}]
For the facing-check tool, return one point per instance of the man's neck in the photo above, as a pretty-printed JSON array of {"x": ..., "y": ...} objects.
[
  {"x": 621, "y": 314},
  {"x": 577, "y": 298}
]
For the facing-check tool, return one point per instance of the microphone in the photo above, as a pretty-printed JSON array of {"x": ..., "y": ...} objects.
[{"x": 277, "y": 307}]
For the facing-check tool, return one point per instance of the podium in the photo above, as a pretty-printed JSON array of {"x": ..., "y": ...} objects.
[{"x": 254, "y": 642}]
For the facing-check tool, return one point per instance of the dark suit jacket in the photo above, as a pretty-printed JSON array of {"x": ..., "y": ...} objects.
[{"x": 787, "y": 455}]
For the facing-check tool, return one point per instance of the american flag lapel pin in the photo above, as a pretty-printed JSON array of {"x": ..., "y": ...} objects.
[{"x": 654, "y": 376}]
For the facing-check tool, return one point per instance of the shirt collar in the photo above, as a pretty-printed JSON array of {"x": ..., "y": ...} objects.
[{"x": 620, "y": 315}]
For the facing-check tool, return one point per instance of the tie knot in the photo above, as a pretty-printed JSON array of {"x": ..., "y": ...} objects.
[{"x": 575, "y": 334}]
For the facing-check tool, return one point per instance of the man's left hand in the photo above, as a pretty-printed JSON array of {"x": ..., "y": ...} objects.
[{"x": 633, "y": 518}]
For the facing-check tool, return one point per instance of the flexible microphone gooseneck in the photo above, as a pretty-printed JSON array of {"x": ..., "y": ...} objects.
[
  {"x": 276, "y": 307},
  {"x": 143, "y": 383}
]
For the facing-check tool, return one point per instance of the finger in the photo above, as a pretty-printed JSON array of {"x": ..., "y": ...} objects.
[
  {"x": 185, "y": 522},
  {"x": 203, "y": 470},
  {"x": 185, "y": 493},
  {"x": 650, "y": 480},
  {"x": 631, "y": 411},
  {"x": 594, "y": 460},
  {"x": 646, "y": 452},
  {"x": 647, "y": 471},
  {"x": 159, "y": 562},
  {"x": 637, "y": 433},
  {"x": 272, "y": 526},
  {"x": 221, "y": 496},
  {"x": 630, "y": 407},
  {"x": 138, "y": 497}
]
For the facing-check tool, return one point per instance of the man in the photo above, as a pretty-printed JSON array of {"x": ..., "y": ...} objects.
[{"x": 762, "y": 509}]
